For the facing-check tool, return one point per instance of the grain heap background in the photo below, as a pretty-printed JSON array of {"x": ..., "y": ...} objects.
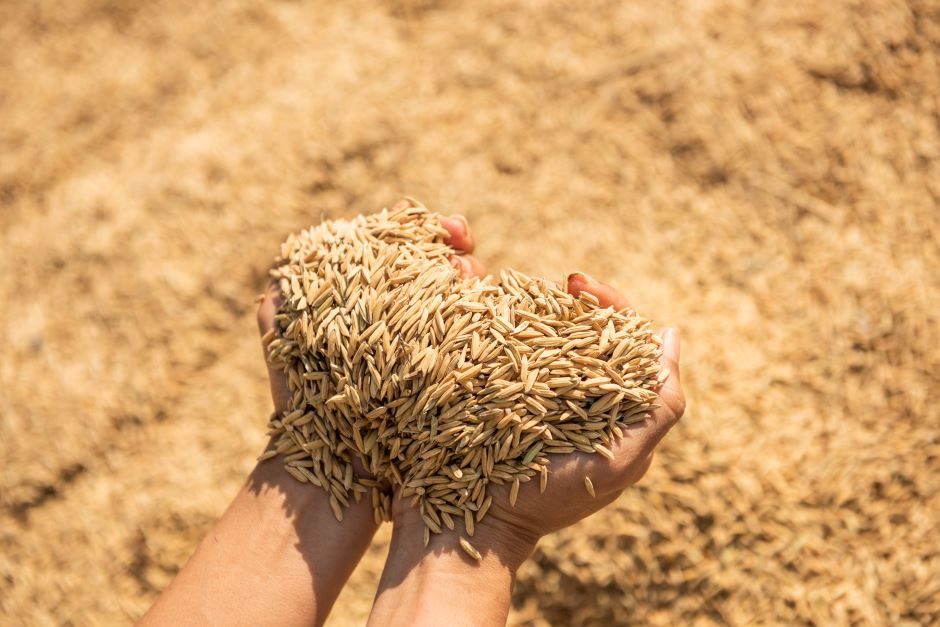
[{"x": 765, "y": 176}]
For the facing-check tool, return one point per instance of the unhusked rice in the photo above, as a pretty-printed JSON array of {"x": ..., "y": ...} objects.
[{"x": 439, "y": 385}]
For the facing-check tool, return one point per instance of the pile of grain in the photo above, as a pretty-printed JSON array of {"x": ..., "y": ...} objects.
[
  {"x": 437, "y": 384},
  {"x": 771, "y": 169}
]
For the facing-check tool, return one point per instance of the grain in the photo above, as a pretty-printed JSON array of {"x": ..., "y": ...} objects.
[
  {"x": 783, "y": 208},
  {"x": 470, "y": 550},
  {"x": 589, "y": 486},
  {"x": 337, "y": 510},
  {"x": 438, "y": 385},
  {"x": 603, "y": 450},
  {"x": 267, "y": 455}
]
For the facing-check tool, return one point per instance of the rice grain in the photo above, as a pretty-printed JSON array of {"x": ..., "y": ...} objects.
[
  {"x": 441, "y": 386},
  {"x": 470, "y": 550},
  {"x": 589, "y": 486}
]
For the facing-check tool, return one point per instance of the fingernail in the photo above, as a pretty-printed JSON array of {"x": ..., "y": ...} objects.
[
  {"x": 463, "y": 222},
  {"x": 461, "y": 264},
  {"x": 580, "y": 277},
  {"x": 672, "y": 336}
]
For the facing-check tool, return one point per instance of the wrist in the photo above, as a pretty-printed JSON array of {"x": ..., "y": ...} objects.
[
  {"x": 277, "y": 556},
  {"x": 429, "y": 585},
  {"x": 308, "y": 506},
  {"x": 499, "y": 545}
]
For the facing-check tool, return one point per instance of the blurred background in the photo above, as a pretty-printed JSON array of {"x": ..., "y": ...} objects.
[{"x": 764, "y": 175}]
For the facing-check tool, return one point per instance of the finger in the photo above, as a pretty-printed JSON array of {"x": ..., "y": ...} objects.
[
  {"x": 460, "y": 238},
  {"x": 672, "y": 341},
  {"x": 280, "y": 392},
  {"x": 468, "y": 266},
  {"x": 671, "y": 397},
  {"x": 641, "y": 438},
  {"x": 268, "y": 308},
  {"x": 606, "y": 295}
]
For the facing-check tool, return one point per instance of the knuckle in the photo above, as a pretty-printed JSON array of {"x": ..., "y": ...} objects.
[
  {"x": 678, "y": 405},
  {"x": 261, "y": 314}
]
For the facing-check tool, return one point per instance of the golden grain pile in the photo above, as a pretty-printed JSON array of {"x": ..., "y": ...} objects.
[
  {"x": 437, "y": 384},
  {"x": 771, "y": 170}
]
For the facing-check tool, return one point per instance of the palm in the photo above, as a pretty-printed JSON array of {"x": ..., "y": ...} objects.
[{"x": 566, "y": 499}]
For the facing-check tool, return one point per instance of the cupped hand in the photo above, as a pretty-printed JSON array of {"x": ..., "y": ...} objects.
[
  {"x": 566, "y": 498},
  {"x": 460, "y": 239}
]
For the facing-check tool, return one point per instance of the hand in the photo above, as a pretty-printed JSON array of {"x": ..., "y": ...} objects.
[
  {"x": 277, "y": 555},
  {"x": 478, "y": 593},
  {"x": 460, "y": 239},
  {"x": 566, "y": 499}
]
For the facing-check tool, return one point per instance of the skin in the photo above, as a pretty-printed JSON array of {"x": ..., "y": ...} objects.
[
  {"x": 279, "y": 557},
  {"x": 440, "y": 584}
]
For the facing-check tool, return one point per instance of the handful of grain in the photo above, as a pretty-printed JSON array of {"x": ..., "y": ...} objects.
[{"x": 439, "y": 385}]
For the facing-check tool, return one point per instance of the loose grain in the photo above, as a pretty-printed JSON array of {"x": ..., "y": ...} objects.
[
  {"x": 470, "y": 550},
  {"x": 589, "y": 486},
  {"x": 440, "y": 386}
]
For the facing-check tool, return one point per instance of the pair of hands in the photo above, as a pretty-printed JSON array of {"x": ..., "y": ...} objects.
[
  {"x": 508, "y": 534},
  {"x": 277, "y": 556}
]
